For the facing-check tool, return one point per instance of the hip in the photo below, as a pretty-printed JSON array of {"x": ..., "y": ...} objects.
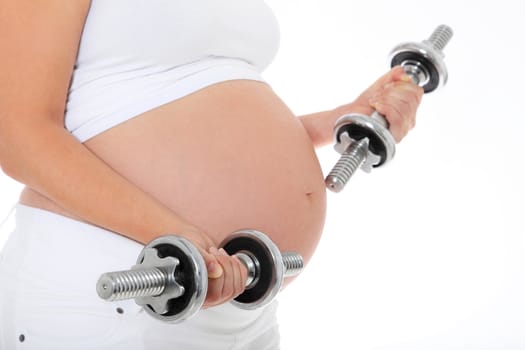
[{"x": 48, "y": 272}]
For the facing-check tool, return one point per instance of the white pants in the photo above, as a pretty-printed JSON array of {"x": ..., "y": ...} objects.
[{"x": 48, "y": 272}]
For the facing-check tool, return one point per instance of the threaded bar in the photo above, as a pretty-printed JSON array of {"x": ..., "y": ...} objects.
[
  {"x": 440, "y": 37},
  {"x": 122, "y": 285},
  {"x": 344, "y": 169},
  {"x": 293, "y": 264}
]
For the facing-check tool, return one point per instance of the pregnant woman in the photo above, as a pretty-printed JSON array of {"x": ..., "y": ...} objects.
[{"x": 131, "y": 119}]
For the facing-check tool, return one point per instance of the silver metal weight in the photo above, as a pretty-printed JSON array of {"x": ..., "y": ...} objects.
[
  {"x": 365, "y": 141},
  {"x": 170, "y": 279}
]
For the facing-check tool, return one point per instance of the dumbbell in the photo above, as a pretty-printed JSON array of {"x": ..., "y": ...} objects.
[
  {"x": 365, "y": 141},
  {"x": 170, "y": 278}
]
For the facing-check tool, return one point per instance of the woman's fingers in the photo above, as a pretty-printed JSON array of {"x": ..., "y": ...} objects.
[
  {"x": 398, "y": 102},
  {"x": 227, "y": 285},
  {"x": 395, "y": 96}
]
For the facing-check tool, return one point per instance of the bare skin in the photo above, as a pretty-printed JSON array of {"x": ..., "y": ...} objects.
[{"x": 226, "y": 157}]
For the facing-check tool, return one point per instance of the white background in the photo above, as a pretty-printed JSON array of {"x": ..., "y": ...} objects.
[{"x": 427, "y": 253}]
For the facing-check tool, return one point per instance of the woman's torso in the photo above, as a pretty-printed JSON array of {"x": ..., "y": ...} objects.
[{"x": 230, "y": 155}]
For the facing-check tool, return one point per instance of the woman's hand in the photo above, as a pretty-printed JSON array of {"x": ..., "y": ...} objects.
[
  {"x": 226, "y": 277},
  {"x": 395, "y": 96},
  {"x": 226, "y": 274}
]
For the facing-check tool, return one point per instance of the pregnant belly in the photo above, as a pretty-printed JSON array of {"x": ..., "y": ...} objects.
[{"x": 227, "y": 157}]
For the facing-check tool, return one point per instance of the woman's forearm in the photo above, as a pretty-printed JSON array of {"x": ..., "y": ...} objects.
[
  {"x": 73, "y": 177},
  {"x": 320, "y": 125},
  {"x": 393, "y": 95}
]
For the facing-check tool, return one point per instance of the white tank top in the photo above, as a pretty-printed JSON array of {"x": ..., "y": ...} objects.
[{"x": 136, "y": 55}]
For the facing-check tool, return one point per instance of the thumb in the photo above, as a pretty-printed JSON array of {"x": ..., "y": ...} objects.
[{"x": 212, "y": 264}]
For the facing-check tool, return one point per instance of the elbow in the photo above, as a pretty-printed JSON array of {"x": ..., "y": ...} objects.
[
  {"x": 12, "y": 148},
  {"x": 7, "y": 161},
  {"x": 25, "y": 134},
  {"x": 27, "y": 148},
  {"x": 8, "y": 169}
]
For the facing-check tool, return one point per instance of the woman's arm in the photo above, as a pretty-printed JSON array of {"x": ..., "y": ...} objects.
[
  {"x": 39, "y": 40},
  {"x": 394, "y": 95}
]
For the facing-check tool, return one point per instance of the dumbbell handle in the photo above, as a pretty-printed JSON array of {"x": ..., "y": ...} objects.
[
  {"x": 355, "y": 154},
  {"x": 152, "y": 281},
  {"x": 292, "y": 263}
]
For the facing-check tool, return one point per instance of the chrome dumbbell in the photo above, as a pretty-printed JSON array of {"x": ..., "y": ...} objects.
[
  {"x": 365, "y": 141},
  {"x": 170, "y": 279}
]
